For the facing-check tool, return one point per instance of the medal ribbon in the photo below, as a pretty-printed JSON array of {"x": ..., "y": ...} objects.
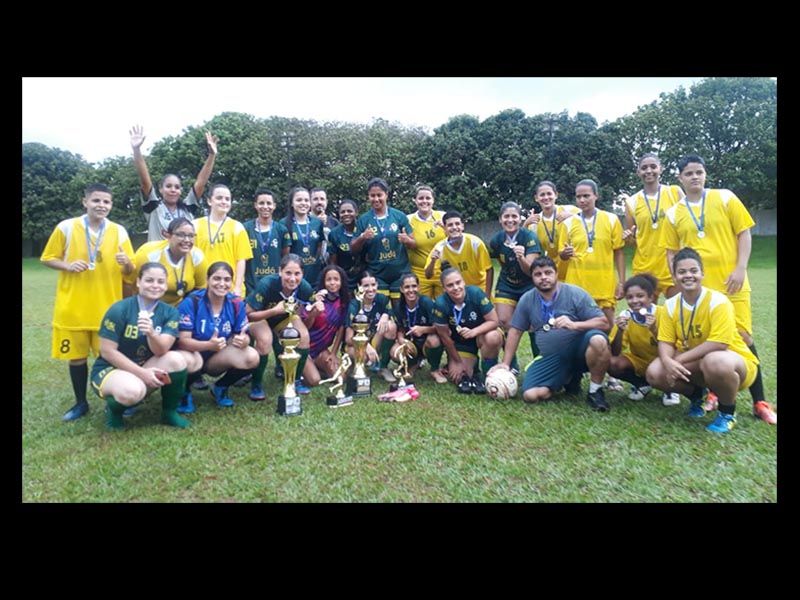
[
  {"x": 264, "y": 246},
  {"x": 142, "y": 306},
  {"x": 457, "y": 313},
  {"x": 589, "y": 234},
  {"x": 691, "y": 320},
  {"x": 653, "y": 217},
  {"x": 216, "y": 235},
  {"x": 551, "y": 235},
  {"x": 93, "y": 254},
  {"x": 702, "y": 222},
  {"x": 547, "y": 308}
]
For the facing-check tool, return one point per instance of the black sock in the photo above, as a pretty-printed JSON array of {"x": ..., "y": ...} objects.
[
  {"x": 728, "y": 409},
  {"x": 79, "y": 374},
  {"x": 191, "y": 378},
  {"x": 231, "y": 377},
  {"x": 757, "y": 389}
]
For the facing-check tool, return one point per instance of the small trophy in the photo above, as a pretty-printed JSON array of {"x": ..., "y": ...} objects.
[
  {"x": 289, "y": 338},
  {"x": 339, "y": 399},
  {"x": 359, "y": 383},
  {"x": 404, "y": 352}
]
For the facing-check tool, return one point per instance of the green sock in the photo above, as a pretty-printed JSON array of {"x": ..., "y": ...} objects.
[
  {"x": 487, "y": 363},
  {"x": 114, "y": 420},
  {"x": 434, "y": 356},
  {"x": 303, "y": 352},
  {"x": 170, "y": 397},
  {"x": 386, "y": 348},
  {"x": 258, "y": 372}
]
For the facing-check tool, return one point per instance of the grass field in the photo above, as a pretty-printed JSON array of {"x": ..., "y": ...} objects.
[{"x": 442, "y": 447}]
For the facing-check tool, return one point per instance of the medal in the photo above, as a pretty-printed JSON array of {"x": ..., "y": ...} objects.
[
  {"x": 305, "y": 250},
  {"x": 458, "y": 329},
  {"x": 589, "y": 234},
  {"x": 264, "y": 259},
  {"x": 701, "y": 234},
  {"x": 552, "y": 321},
  {"x": 91, "y": 266},
  {"x": 552, "y": 245},
  {"x": 213, "y": 240},
  {"x": 385, "y": 242},
  {"x": 94, "y": 253},
  {"x": 643, "y": 311},
  {"x": 701, "y": 222},
  {"x": 655, "y": 225},
  {"x": 653, "y": 213},
  {"x": 546, "y": 327},
  {"x": 590, "y": 249},
  {"x": 180, "y": 292}
]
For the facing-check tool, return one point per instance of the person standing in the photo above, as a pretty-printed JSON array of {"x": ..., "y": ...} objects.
[
  {"x": 385, "y": 239},
  {"x": 544, "y": 224},
  {"x": 223, "y": 238},
  {"x": 341, "y": 238},
  {"x": 465, "y": 252},
  {"x": 428, "y": 229},
  {"x": 306, "y": 234},
  {"x": 644, "y": 220},
  {"x": 167, "y": 205},
  {"x": 92, "y": 256},
  {"x": 571, "y": 338},
  {"x": 699, "y": 346},
  {"x": 319, "y": 206},
  {"x": 269, "y": 240},
  {"x": 717, "y": 225}
]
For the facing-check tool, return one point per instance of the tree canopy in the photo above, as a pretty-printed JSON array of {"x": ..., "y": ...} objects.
[{"x": 472, "y": 165}]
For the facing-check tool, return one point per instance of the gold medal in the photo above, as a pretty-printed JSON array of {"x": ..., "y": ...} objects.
[
  {"x": 180, "y": 292},
  {"x": 305, "y": 250}
]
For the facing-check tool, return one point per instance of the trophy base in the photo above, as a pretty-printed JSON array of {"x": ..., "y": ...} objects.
[
  {"x": 289, "y": 406},
  {"x": 359, "y": 387},
  {"x": 334, "y": 402}
]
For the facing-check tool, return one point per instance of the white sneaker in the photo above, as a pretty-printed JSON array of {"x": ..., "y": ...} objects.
[
  {"x": 387, "y": 375},
  {"x": 639, "y": 393},
  {"x": 672, "y": 399}
]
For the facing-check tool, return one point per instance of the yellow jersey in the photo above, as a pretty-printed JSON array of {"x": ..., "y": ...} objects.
[
  {"x": 725, "y": 217},
  {"x": 710, "y": 319},
  {"x": 593, "y": 271},
  {"x": 83, "y": 298},
  {"x": 650, "y": 256},
  {"x": 230, "y": 241},
  {"x": 471, "y": 258},
  {"x": 427, "y": 235},
  {"x": 188, "y": 274}
]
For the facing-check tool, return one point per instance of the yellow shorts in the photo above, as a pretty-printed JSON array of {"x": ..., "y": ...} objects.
[
  {"x": 639, "y": 364},
  {"x": 604, "y": 303},
  {"x": 742, "y": 311},
  {"x": 74, "y": 344},
  {"x": 508, "y": 301},
  {"x": 752, "y": 371},
  {"x": 431, "y": 288}
]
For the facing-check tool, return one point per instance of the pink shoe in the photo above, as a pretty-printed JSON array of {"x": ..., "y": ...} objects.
[
  {"x": 765, "y": 412},
  {"x": 711, "y": 402}
]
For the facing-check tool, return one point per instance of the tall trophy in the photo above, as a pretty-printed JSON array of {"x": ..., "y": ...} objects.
[
  {"x": 339, "y": 399},
  {"x": 359, "y": 383},
  {"x": 289, "y": 338}
]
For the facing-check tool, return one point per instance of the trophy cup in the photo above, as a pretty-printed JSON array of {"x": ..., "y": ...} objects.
[
  {"x": 359, "y": 383},
  {"x": 339, "y": 399},
  {"x": 289, "y": 338},
  {"x": 406, "y": 350}
]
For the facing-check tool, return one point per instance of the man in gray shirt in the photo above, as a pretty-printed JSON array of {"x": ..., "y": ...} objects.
[{"x": 568, "y": 328}]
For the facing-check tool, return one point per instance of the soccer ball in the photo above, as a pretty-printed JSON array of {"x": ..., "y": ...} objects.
[{"x": 501, "y": 384}]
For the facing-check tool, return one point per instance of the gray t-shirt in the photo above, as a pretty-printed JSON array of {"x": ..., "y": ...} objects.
[
  {"x": 159, "y": 216},
  {"x": 571, "y": 301}
]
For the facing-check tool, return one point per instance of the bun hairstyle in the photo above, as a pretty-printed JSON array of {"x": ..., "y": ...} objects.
[{"x": 447, "y": 269}]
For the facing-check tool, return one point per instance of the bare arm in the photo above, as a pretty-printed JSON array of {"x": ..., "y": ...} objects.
[
  {"x": 137, "y": 139},
  {"x": 735, "y": 280},
  {"x": 208, "y": 166},
  {"x": 357, "y": 245},
  {"x": 512, "y": 343},
  {"x": 407, "y": 239},
  {"x": 489, "y": 283},
  {"x": 75, "y": 266},
  {"x": 239, "y": 285},
  {"x": 490, "y": 323},
  {"x": 670, "y": 257}
]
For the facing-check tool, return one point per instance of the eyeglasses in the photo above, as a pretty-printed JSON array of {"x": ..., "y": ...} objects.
[{"x": 185, "y": 236}]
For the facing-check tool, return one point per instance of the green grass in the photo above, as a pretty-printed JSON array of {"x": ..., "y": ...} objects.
[{"x": 440, "y": 448}]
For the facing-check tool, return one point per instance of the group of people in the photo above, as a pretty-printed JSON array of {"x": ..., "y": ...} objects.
[{"x": 207, "y": 294}]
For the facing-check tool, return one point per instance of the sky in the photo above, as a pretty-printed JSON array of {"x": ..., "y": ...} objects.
[{"x": 93, "y": 116}]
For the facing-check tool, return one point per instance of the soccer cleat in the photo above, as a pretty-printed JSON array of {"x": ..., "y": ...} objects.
[
  {"x": 200, "y": 384},
  {"x": 131, "y": 410},
  {"x": 300, "y": 388},
  {"x": 672, "y": 399},
  {"x": 221, "y": 395},
  {"x": 477, "y": 385},
  {"x": 465, "y": 385},
  {"x": 711, "y": 402},
  {"x": 387, "y": 375},
  {"x": 696, "y": 410},
  {"x": 257, "y": 393},
  {"x": 573, "y": 386},
  {"x": 614, "y": 385},
  {"x": 597, "y": 400},
  {"x": 722, "y": 424},
  {"x": 639, "y": 393},
  {"x": 186, "y": 405},
  {"x": 76, "y": 412},
  {"x": 765, "y": 412}
]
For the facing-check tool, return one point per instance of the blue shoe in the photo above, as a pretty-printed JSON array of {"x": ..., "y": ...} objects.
[
  {"x": 76, "y": 412},
  {"x": 722, "y": 424},
  {"x": 131, "y": 410},
  {"x": 257, "y": 393},
  {"x": 696, "y": 409},
  {"x": 375, "y": 367},
  {"x": 186, "y": 404},
  {"x": 300, "y": 388},
  {"x": 221, "y": 395}
]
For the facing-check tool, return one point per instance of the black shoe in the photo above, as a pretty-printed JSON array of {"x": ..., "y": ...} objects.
[
  {"x": 477, "y": 385},
  {"x": 279, "y": 371},
  {"x": 573, "y": 386},
  {"x": 597, "y": 400},
  {"x": 465, "y": 385}
]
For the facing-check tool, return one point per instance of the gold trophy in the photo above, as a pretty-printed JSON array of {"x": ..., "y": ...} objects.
[
  {"x": 404, "y": 352},
  {"x": 359, "y": 383},
  {"x": 289, "y": 338},
  {"x": 339, "y": 399}
]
